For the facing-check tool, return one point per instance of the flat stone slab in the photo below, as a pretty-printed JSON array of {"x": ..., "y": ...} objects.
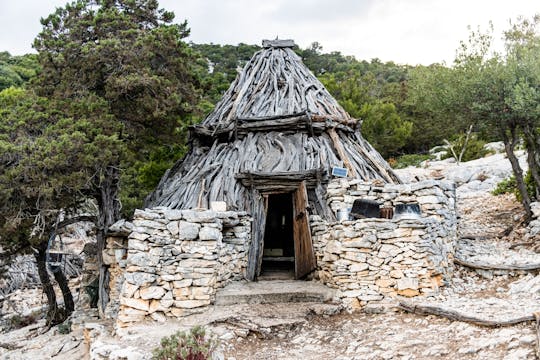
[{"x": 272, "y": 292}]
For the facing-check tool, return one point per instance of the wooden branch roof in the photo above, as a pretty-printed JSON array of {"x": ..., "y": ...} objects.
[
  {"x": 275, "y": 83},
  {"x": 276, "y": 125}
]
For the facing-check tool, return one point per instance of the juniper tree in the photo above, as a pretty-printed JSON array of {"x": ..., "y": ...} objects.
[{"x": 126, "y": 60}]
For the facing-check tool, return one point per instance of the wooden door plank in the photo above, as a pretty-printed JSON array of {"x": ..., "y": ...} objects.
[
  {"x": 305, "y": 261},
  {"x": 258, "y": 213}
]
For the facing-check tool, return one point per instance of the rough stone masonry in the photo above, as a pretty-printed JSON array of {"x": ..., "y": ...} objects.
[{"x": 177, "y": 259}]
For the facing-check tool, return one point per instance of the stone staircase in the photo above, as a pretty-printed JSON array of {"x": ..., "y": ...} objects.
[{"x": 274, "y": 291}]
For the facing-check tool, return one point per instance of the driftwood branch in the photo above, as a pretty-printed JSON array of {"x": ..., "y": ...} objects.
[
  {"x": 486, "y": 266},
  {"x": 537, "y": 328},
  {"x": 454, "y": 315},
  {"x": 341, "y": 152}
]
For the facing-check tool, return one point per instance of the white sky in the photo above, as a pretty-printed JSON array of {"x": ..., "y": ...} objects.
[{"x": 404, "y": 31}]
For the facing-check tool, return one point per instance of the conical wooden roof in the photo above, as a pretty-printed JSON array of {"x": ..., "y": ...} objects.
[
  {"x": 274, "y": 83},
  {"x": 275, "y": 125}
]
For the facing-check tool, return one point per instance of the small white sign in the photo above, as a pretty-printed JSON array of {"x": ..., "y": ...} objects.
[{"x": 339, "y": 171}]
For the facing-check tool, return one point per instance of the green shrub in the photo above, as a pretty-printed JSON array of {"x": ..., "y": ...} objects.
[
  {"x": 474, "y": 150},
  {"x": 65, "y": 327},
  {"x": 192, "y": 345},
  {"x": 408, "y": 160},
  {"x": 19, "y": 321},
  {"x": 509, "y": 186}
]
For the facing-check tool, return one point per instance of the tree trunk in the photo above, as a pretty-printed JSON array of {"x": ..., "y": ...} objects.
[
  {"x": 41, "y": 258},
  {"x": 510, "y": 143},
  {"x": 66, "y": 292},
  {"x": 533, "y": 155},
  {"x": 109, "y": 212}
]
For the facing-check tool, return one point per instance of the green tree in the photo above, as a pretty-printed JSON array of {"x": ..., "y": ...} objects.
[
  {"x": 46, "y": 163},
  {"x": 17, "y": 70},
  {"x": 126, "y": 59},
  {"x": 495, "y": 92},
  {"x": 383, "y": 127}
]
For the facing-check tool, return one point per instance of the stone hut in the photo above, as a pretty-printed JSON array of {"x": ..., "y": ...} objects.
[{"x": 268, "y": 174}]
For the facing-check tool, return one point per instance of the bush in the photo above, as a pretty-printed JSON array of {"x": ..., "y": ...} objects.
[
  {"x": 474, "y": 150},
  {"x": 408, "y": 160},
  {"x": 192, "y": 345},
  {"x": 19, "y": 321},
  {"x": 509, "y": 186}
]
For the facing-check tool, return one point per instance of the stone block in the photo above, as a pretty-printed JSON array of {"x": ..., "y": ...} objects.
[
  {"x": 140, "y": 278},
  {"x": 141, "y": 259},
  {"x": 408, "y": 292},
  {"x": 198, "y": 216},
  {"x": 388, "y": 250},
  {"x": 128, "y": 290},
  {"x": 407, "y": 283},
  {"x": 188, "y": 230},
  {"x": 173, "y": 228},
  {"x": 138, "y": 304},
  {"x": 182, "y": 293},
  {"x": 210, "y": 233},
  {"x": 334, "y": 247},
  {"x": 358, "y": 267},
  {"x": 138, "y": 245},
  {"x": 149, "y": 224},
  {"x": 158, "y": 316},
  {"x": 138, "y": 236},
  {"x": 128, "y": 314},
  {"x": 205, "y": 281},
  {"x": 152, "y": 292},
  {"x": 145, "y": 215},
  {"x": 182, "y": 283},
  {"x": 172, "y": 215},
  {"x": 375, "y": 261}
]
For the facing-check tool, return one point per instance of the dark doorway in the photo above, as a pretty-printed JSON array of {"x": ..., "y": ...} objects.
[{"x": 278, "y": 253}]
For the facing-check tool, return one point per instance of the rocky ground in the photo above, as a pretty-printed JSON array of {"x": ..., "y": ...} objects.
[{"x": 490, "y": 233}]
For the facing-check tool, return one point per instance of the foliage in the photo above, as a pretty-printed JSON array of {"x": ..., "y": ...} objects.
[
  {"x": 19, "y": 321},
  {"x": 407, "y": 160},
  {"x": 509, "y": 186},
  {"x": 17, "y": 70},
  {"x": 474, "y": 148},
  {"x": 65, "y": 327},
  {"x": 128, "y": 56},
  {"x": 383, "y": 128},
  {"x": 48, "y": 159},
  {"x": 366, "y": 97},
  {"x": 221, "y": 66},
  {"x": 192, "y": 345}
]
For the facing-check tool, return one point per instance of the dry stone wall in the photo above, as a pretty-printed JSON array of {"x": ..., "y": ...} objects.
[
  {"x": 370, "y": 259},
  {"x": 177, "y": 259}
]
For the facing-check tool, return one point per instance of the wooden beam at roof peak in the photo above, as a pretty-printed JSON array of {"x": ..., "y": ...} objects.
[{"x": 278, "y": 43}]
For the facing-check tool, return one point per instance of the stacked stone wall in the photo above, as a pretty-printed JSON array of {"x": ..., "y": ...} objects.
[
  {"x": 370, "y": 259},
  {"x": 177, "y": 259}
]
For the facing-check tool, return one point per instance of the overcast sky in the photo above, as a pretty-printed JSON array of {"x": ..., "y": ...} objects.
[{"x": 404, "y": 31}]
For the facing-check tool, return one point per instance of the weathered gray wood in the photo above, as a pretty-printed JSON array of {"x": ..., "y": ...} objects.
[
  {"x": 537, "y": 328},
  {"x": 258, "y": 212},
  {"x": 305, "y": 261},
  {"x": 272, "y": 120},
  {"x": 454, "y": 315},
  {"x": 486, "y": 266},
  {"x": 278, "y": 43}
]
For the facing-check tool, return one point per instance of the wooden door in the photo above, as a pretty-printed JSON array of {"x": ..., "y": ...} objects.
[
  {"x": 304, "y": 261},
  {"x": 258, "y": 212}
]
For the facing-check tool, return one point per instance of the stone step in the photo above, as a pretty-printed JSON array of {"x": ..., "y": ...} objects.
[{"x": 274, "y": 291}]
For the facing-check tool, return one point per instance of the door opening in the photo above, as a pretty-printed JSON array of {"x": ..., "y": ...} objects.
[{"x": 278, "y": 254}]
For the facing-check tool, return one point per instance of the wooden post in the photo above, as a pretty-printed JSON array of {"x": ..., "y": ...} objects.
[{"x": 341, "y": 152}]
